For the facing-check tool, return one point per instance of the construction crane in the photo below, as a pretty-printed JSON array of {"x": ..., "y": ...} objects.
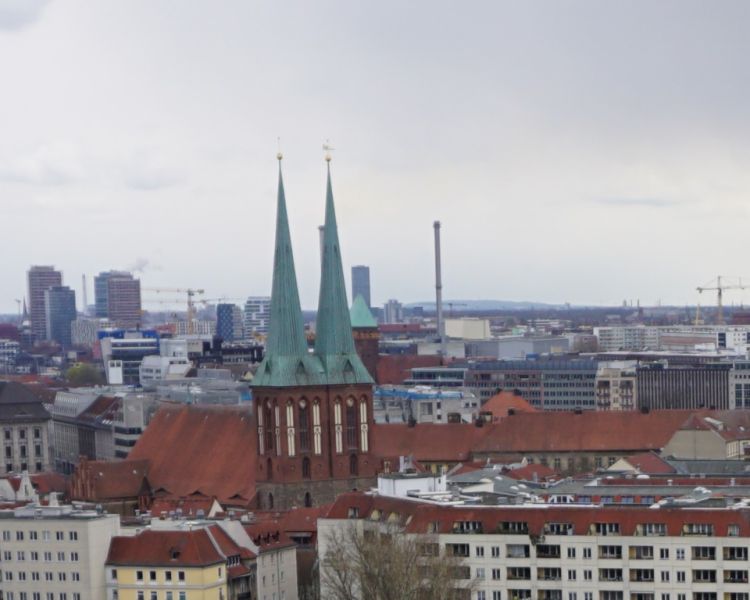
[
  {"x": 719, "y": 285},
  {"x": 191, "y": 293}
]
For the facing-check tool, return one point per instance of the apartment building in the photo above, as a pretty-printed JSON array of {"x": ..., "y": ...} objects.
[
  {"x": 616, "y": 386},
  {"x": 550, "y": 552},
  {"x": 25, "y": 430},
  {"x": 54, "y": 552}
]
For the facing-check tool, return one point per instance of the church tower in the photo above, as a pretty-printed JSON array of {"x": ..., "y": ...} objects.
[{"x": 313, "y": 410}]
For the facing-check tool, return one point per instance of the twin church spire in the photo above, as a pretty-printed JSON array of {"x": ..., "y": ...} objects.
[{"x": 287, "y": 361}]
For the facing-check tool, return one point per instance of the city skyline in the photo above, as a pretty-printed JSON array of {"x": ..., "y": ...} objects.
[{"x": 559, "y": 146}]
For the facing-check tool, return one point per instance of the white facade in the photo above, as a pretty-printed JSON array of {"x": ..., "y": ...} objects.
[
  {"x": 468, "y": 328},
  {"x": 257, "y": 315},
  {"x": 675, "y": 337},
  {"x": 54, "y": 552}
]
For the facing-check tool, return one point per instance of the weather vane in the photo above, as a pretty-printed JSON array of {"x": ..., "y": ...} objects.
[{"x": 328, "y": 149}]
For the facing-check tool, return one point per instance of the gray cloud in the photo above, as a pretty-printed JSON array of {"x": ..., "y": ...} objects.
[{"x": 18, "y": 14}]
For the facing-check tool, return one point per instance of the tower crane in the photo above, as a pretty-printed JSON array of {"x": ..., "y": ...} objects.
[
  {"x": 719, "y": 285},
  {"x": 191, "y": 293}
]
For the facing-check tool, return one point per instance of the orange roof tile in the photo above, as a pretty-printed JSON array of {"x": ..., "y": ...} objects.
[
  {"x": 199, "y": 448},
  {"x": 426, "y": 442},
  {"x": 152, "y": 548},
  {"x": 557, "y": 431},
  {"x": 503, "y": 402}
]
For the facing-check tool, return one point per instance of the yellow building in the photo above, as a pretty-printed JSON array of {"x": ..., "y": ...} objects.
[{"x": 188, "y": 564}]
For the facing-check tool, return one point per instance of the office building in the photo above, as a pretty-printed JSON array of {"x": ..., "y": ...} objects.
[
  {"x": 55, "y": 552},
  {"x": 700, "y": 386},
  {"x": 123, "y": 351},
  {"x": 547, "y": 383},
  {"x": 257, "y": 315},
  {"x": 60, "y": 312},
  {"x": 40, "y": 278},
  {"x": 101, "y": 291},
  {"x": 230, "y": 325},
  {"x": 124, "y": 300},
  {"x": 361, "y": 283}
]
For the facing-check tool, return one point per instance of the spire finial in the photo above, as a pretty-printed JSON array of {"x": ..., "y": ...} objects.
[
  {"x": 279, "y": 155},
  {"x": 328, "y": 149}
]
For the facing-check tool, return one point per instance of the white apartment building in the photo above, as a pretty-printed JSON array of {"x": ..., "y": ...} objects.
[
  {"x": 674, "y": 337},
  {"x": 54, "y": 552},
  {"x": 547, "y": 552},
  {"x": 257, "y": 315}
]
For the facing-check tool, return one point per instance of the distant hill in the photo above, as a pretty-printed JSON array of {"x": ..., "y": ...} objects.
[{"x": 485, "y": 305}]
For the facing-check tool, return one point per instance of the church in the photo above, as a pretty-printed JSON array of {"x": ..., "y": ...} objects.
[{"x": 313, "y": 409}]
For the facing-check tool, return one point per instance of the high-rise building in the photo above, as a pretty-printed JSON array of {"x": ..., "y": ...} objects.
[
  {"x": 361, "y": 283},
  {"x": 60, "y": 312},
  {"x": 124, "y": 300},
  {"x": 257, "y": 315},
  {"x": 40, "y": 278},
  {"x": 230, "y": 324},
  {"x": 393, "y": 311},
  {"x": 101, "y": 291}
]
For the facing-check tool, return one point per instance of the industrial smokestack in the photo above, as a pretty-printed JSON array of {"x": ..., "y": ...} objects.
[{"x": 439, "y": 291}]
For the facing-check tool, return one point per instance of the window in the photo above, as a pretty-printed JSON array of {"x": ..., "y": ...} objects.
[
  {"x": 181, "y": 576},
  {"x": 680, "y": 553},
  {"x": 479, "y": 551},
  {"x": 33, "y": 535},
  {"x": 588, "y": 575},
  {"x": 571, "y": 574},
  {"x": 139, "y": 576},
  {"x": 353, "y": 466},
  {"x": 571, "y": 552},
  {"x": 74, "y": 556},
  {"x": 587, "y": 553},
  {"x": 480, "y": 573},
  {"x": 664, "y": 553},
  {"x": 73, "y": 536},
  {"x": 141, "y": 595},
  {"x": 306, "y": 467},
  {"x": 496, "y": 574},
  {"x": 495, "y": 551},
  {"x": 19, "y": 536},
  {"x": 75, "y": 576},
  {"x": 152, "y": 575},
  {"x": 61, "y": 556},
  {"x": 681, "y": 576},
  {"x": 59, "y": 536},
  {"x": 351, "y": 423},
  {"x": 113, "y": 574},
  {"x": 665, "y": 576},
  {"x": 704, "y": 553}
]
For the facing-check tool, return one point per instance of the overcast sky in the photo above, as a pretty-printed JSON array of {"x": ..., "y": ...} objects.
[{"x": 582, "y": 152}]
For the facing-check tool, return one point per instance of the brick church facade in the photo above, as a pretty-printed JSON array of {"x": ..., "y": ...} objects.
[{"x": 313, "y": 410}]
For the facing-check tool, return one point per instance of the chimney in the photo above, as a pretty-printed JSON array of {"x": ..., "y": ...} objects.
[{"x": 439, "y": 291}]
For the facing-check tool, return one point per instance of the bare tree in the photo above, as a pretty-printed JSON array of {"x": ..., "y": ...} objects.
[{"x": 386, "y": 564}]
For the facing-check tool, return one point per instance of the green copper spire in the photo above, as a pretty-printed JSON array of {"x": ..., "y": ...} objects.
[
  {"x": 287, "y": 361},
  {"x": 334, "y": 344},
  {"x": 360, "y": 314}
]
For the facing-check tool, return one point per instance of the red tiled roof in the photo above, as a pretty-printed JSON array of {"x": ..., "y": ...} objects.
[
  {"x": 151, "y": 548},
  {"x": 501, "y": 403},
  {"x": 188, "y": 505},
  {"x": 302, "y": 519},
  {"x": 104, "y": 407},
  {"x": 557, "y": 431},
  {"x": 268, "y": 535},
  {"x": 395, "y": 369},
  {"x": 419, "y": 516},
  {"x": 198, "y": 448},
  {"x": 43, "y": 483},
  {"x": 650, "y": 463},
  {"x": 100, "y": 480},
  {"x": 426, "y": 442}
]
